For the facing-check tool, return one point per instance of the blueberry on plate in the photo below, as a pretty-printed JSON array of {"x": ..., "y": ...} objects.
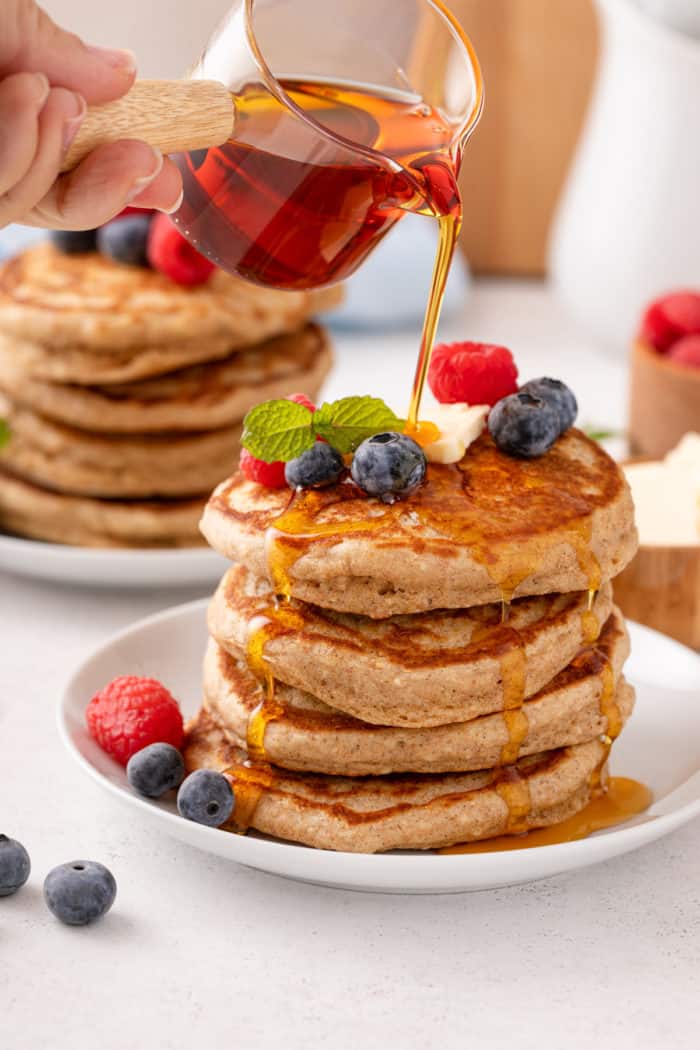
[
  {"x": 14, "y": 865},
  {"x": 556, "y": 393},
  {"x": 79, "y": 892},
  {"x": 206, "y": 798},
  {"x": 388, "y": 465},
  {"x": 319, "y": 465},
  {"x": 125, "y": 239},
  {"x": 73, "y": 242},
  {"x": 155, "y": 769},
  {"x": 523, "y": 425}
]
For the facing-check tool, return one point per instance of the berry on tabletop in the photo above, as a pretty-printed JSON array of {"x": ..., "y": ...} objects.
[
  {"x": 320, "y": 465},
  {"x": 125, "y": 239},
  {"x": 523, "y": 425},
  {"x": 388, "y": 465},
  {"x": 79, "y": 892},
  {"x": 172, "y": 255},
  {"x": 14, "y": 865},
  {"x": 206, "y": 797},
  {"x": 130, "y": 713},
  {"x": 475, "y": 373},
  {"x": 155, "y": 769}
]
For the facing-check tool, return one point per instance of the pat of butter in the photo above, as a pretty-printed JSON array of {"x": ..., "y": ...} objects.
[
  {"x": 667, "y": 496},
  {"x": 459, "y": 425}
]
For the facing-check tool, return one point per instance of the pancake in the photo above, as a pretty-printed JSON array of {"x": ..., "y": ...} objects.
[
  {"x": 203, "y": 397},
  {"x": 585, "y": 700},
  {"x": 29, "y": 510},
  {"x": 116, "y": 466},
  {"x": 488, "y": 528},
  {"x": 68, "y": 301},
  {"x": 420, "y": 811},
  {"x": 81, "y": 366},
  {"x": 429, "y": 669}
]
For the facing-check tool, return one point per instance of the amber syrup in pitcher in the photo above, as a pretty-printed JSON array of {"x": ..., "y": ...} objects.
[{"x": 285, "y": 205}]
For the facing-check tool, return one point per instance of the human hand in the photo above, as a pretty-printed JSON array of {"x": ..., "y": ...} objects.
[{"x": 48, "y": 77}]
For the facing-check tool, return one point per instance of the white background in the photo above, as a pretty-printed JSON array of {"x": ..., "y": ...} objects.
[
  {"x": 165, "y": 35},
  {"x": 203, "y": 953}
]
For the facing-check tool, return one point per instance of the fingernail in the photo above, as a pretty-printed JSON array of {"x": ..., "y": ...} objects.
[
  {"x": 71, "y": 125},
  {"x": 43, "y": 87},
  {"x": 139, "y": 185},
  {"x": 174, "y": 207},
  {"x": 116, "y": 58}
]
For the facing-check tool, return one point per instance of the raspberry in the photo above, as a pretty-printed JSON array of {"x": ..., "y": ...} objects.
[
  {"x": 302, "y": 399},
  {"x": 130, "y": 713},
  {"x": 172, "y": 255},
  {"x": 669, "y": 318},
  {"x": 686, "y": 351},
  {"x": 477, "y": 373},
  {"x": 271, "y": 475}
]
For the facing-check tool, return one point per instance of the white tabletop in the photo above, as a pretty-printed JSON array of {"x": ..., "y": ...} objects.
[{"x": 199, "y": 951}]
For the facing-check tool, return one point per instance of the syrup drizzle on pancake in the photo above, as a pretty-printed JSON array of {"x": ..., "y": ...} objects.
[{"x": 619, "y": 801}]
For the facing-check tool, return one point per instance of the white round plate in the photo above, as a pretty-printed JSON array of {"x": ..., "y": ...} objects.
[
  {"x": 660, "y": 746},
  {"x": 110, "y": 567}
]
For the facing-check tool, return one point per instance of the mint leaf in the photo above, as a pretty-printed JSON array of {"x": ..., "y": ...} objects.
[
  {"x": 596, "y": 434},
  {"x": 346, "y": 423},
  {"x": 278, "y": 430},
  {"x": 4, "y": 433}
]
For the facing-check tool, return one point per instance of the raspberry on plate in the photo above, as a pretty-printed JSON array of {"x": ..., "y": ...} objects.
[
  {"x": 669, "y": 318},
  {"x": 172, "y": 255},
  {"x": 475, "y": 373},
  {"x": 686, "y": 351},
  {"x": 130, "y": 713}
]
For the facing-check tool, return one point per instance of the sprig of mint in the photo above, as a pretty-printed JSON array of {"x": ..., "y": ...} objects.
[
  {"x": 282, "y": 430},
  {"x": 4, "y": 432},
  {"x": 600, "y": 434}
]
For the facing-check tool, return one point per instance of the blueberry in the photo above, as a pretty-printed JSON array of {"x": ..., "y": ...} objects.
[
  {"x": 388, "y": 465},
  {"x": 555, "y": 393},
  {"x": 71, "y": 242},
  {"x": 155, "y": 769},
  {"x": 14, "y": 865},
  {"x": 125, "y": 240},
  {"x": 523, "y": 425},
  {"x": 79, "y": 892},
  {"x": 320, "y": 465},
  {"x": 205, "y": 797}
]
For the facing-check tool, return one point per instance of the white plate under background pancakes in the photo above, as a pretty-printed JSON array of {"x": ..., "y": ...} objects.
[
  {"x": 109, "y": 566},
  {"x": 660, "y": 746}
]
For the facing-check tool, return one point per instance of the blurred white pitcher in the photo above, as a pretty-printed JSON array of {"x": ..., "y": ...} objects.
[{"x": 628, "y": 224}]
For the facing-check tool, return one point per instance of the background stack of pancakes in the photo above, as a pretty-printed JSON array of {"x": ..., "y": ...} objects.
[
  {"x": 125, "y": 392},
  {"x": 409, "y": 702}
]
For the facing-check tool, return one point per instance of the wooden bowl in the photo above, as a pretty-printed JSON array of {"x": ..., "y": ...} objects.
[
  {"x": 664, "y": 402},
  {"x": 661, "y": 588}
]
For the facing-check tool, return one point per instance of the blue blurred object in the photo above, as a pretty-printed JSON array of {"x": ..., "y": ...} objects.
[
  {"x": 390, "y": 290},
  {"x": 14, "y": 239}
]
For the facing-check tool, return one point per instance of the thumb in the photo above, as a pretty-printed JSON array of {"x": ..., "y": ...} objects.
[{"x": 30, "y": 42}]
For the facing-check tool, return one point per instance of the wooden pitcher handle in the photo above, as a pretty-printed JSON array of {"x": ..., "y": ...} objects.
[{"x": 173, "y": 115}]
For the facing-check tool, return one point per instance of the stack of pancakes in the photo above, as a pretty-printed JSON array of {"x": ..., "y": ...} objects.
[
  {"x": 125, "y": 392},
  {"x": 437, "y": 671}
]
